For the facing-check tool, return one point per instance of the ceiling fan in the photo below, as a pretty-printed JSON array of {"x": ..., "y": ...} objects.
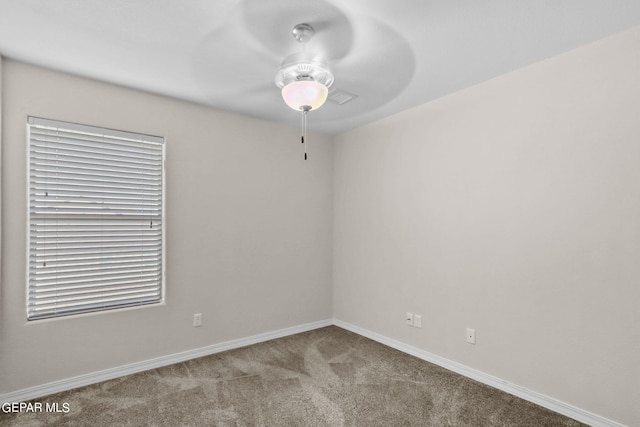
[
  {"x": 296, "y": 42},
  {"x": 304, "y": 78}
]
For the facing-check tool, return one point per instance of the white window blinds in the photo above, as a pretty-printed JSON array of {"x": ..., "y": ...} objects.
[{"x": 95, "y": 219}]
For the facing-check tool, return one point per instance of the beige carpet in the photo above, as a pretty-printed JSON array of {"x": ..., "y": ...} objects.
[{"x": 326, "y": 377}]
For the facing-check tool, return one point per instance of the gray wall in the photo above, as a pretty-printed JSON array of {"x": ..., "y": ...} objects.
[
  {"x": 512, "y": 207},
  {"x": 248, "y": 230}
]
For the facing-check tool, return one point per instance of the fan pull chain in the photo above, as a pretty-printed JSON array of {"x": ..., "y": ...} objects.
[{"x": 305, "y": 110}]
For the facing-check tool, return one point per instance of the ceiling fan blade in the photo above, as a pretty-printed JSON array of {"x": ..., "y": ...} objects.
[
  {"x": 255, "y": 100},
  {"x": 226, "y": 64},
  {"x": 362, "y": 76}
]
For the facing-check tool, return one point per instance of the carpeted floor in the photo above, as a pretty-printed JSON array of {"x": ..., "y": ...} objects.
[{"x": 326, "y": 377}]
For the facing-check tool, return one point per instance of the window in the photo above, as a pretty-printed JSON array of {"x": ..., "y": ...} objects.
[{"x": 96, "y": 238}]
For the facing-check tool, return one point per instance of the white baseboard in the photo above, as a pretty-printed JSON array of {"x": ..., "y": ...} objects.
[
  {"x": 133, "y": 368},
  {"x": 514, "y": 389}
]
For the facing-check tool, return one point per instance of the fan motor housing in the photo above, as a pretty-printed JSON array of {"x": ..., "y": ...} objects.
[{"x": 303, "y": 66}]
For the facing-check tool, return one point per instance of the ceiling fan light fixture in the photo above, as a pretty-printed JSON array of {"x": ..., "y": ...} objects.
[
  {"x": 305, "y": 95},
  {"x": 304, "y": 79}
]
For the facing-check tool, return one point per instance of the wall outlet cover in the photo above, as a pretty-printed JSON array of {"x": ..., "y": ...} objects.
[
  {"x": 197, "y": 319},
  {"x": 471, "y": 336}
]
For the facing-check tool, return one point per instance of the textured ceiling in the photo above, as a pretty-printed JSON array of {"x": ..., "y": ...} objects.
[{"x": 224, "y": 53}]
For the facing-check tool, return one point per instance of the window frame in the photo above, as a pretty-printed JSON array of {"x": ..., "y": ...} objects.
[{"x": 105, "y": 132}]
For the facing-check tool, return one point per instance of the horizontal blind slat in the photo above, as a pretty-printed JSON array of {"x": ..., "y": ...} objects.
[
  {"x": 104, "y": 301},
  {"x": 94, "y": 148},
  {"x": 86, "y": 185},
  {"x": 51, "y": 151},
  {"x": 105, "y": 135},
  {"x": 94, "y": 268},
  {"x": 83, "y": 131},
  {"x": 60, "y": 175},
  {"x": 77, "y": 282},
  {"x": 37, "y": 313}
]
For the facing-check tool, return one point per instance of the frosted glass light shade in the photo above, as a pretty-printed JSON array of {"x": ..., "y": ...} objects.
[{"x": 305, "y": 93}]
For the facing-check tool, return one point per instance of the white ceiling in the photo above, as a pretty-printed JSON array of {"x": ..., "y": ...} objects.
[{"x": 224, "y": 53}]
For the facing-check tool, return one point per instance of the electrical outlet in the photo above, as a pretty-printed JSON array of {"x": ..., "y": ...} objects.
[
  {"x": 417, "y": 321},
  {"x": 471, "y": 336},
  {"x": 197, "y": 319},
  {"x": 409, "y": 319}
]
